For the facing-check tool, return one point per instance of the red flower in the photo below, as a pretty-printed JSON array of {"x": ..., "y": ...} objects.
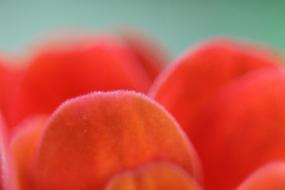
[
  {"x": 228, "y": 98},
  {"x": 62, "y": 70}
]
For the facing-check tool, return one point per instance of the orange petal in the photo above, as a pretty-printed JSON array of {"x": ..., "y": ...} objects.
[
  {"x": 93, "y": 137},
  {"x": 242, "y": 129},
  {"x": 188, "y": 85},
  {"x": 270, "y": 177},
  {"x": 158, "y": 176},
  {"x": 23, "y": 147},
  {"x": 61, "y": 71}
]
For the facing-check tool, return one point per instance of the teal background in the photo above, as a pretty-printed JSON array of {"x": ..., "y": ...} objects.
[{"x": 176, "y": 24}]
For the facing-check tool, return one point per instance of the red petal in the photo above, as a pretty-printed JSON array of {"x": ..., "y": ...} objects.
[
  {"x": 242, "y": 130},
  {"x": 158, "y": 176},
  {"x": 270, "y": 177},
  {"x": 62, "y": 71},
  {"x": 149, "y": 54},
  {"x": 189, "y": 84},
  {"x": 91, "y": 138},
  {"x": 10, "y": 77}
]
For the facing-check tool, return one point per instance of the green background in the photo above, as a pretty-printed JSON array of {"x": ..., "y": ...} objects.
[{"x": 176, "y": 24}]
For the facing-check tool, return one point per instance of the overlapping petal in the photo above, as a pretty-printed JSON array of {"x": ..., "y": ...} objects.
[
  {"x": 233, "y": 116},
  {"x": 62, "y": 70},
  {"x": 7, "y": 180},
  {"x": 242, "y": 129},
  {"x": 92, "y": 138},
  {"x": 158, "y": 176},
  {"x": 189, "y": 84},
  {"x": 23, "y": 145},
  {"x": 268, "y": 177}
]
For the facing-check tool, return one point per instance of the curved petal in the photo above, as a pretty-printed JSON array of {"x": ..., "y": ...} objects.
[
  {"x": 242, "y": 129},
  {"x": 23, "y": 146},
  {"x": 189, "y": 85},
  {"x": 92, "y": 137},
  {"x": 62, "y": 71},
  {"x": 268, "y": 177},
  {"x": 156, "y": 176}
]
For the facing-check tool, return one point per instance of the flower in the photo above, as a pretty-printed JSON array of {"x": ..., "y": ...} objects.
[
  {"x": 229, "y": 99},
  {"x": 100, "y": 114},
  {"x": 64, "y": 69},
  {"x": 90, "y": 141}
]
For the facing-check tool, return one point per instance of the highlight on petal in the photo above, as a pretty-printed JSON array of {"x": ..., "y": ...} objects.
[
  {"x": 7, "y": 180},
  {"x": 189, "y": 84},
  {"x": 23, "y": 146},
  {"x": 91, "y": 138},
  {"x": 64, "y": 70},
  {"x": 269, "y": 177},
  {"x": 155, "y": 176},
  {"x": 242, "y": 129},
  {"x": 2, "y": 154}
]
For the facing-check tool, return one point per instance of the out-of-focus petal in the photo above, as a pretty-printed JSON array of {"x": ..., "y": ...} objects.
[
  {"x": 157, "y": 176},
  {"x": 10, "y": 77},
  {"x": 91, "y": 138},
  {"x": 242, "y": 129},
  {"x": 270, "y": 177},
  {"x": 189, "y": 84},
  {"x": 149, "y": 54},
  {"x": 23, "y": 146},
  {"x": 61, "y": 71},
  {"x": 7, "y": 180},
  {"x": 2, "y": 155}
]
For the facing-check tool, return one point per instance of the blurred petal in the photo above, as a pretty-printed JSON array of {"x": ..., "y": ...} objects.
[
  {"x": 270, "y": 177},
  {"x": 61, "y": 71},
  {"x": 23, "y": 147},
  {"x": 93, "y": 137},
  {"x": 188, "y": 85},
  {"x": 149, "y": 54},
  {"x": 2, "y": 154},
  {"x": 10, "y": 77},
  {"x": 158, "y": 176},
  {"x": 242, "y": 129},
  {"x": 7, "y": 181}
]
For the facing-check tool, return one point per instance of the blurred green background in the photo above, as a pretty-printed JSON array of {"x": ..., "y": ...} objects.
[{"x": 177, "y": 24}]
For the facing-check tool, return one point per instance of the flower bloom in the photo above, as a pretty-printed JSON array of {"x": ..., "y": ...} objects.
[{"x": 67, "y": 123}]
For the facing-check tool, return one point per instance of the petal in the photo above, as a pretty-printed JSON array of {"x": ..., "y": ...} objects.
[
  {"x": 149, "y": 54},
  {"x": 242, "y": 129},
  {"x": 61, "y": 71},
  {"x": 158, "y": 176},
  {"x": 10, "y": 76},
  {"x": 23, "y": 147},
  {"x": 270, "y": 177},
  {"x": 188, "y": 85},
  {"x": 91, "y": 138},
  {"x": 2, "y": 154},
  {"x": 7, "y": 180}
]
